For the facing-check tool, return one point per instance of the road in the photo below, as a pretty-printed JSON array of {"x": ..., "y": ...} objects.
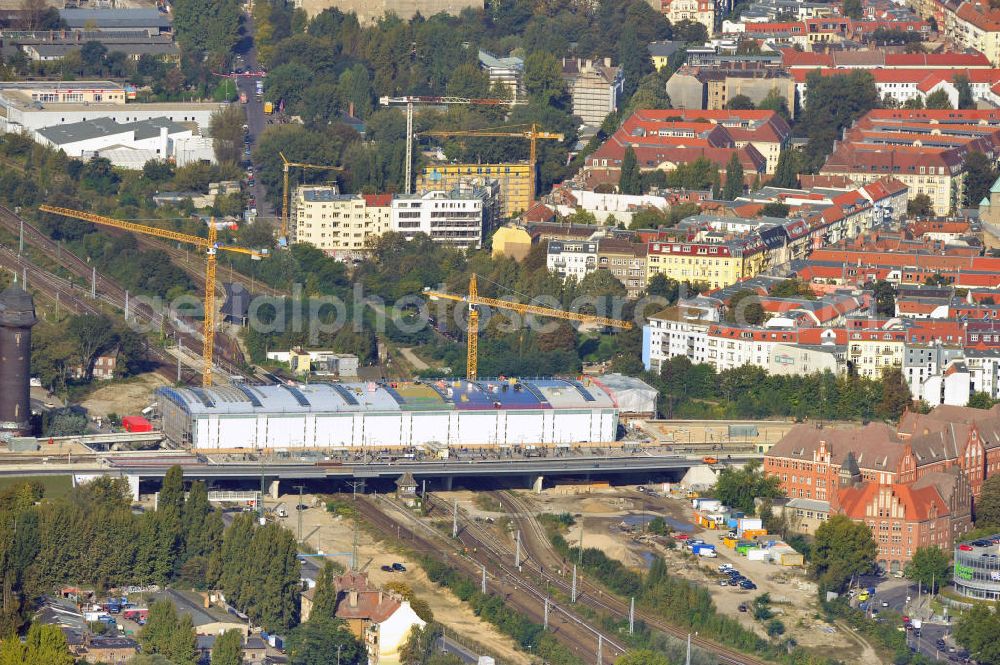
[
  {"x": 896, "y": 593},
  {"x": 256, "y": 120}
]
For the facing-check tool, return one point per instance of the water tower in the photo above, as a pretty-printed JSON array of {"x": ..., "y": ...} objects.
[{"x": 17, "y": 316}]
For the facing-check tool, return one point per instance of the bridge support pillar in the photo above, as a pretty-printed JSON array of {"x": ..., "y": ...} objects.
[
  {"x": 274, "y": 489},
  {"x": 536, "y": 484},
  {"x": 448, "y": 482},
  {"x": 133, "y": 484}
]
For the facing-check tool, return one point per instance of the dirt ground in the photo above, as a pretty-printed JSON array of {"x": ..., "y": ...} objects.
[
  {"x": 602, "y": 514},
  {"x": 124, "y": 398},
  {"x": 334, "y": 536}
]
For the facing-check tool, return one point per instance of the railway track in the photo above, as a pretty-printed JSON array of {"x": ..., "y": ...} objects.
[
  {"x": 229, "y": 357},
  {"x": 536, "y": 545},
  {"x": 516, "y": 589}
]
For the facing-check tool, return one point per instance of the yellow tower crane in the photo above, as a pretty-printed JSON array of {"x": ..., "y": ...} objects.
[
  {"x": 211, "y": 245},
  {"x": 283, "y": 238},
  {"x": 532, "y": 133},
  {"x": 475, "y": 300}
]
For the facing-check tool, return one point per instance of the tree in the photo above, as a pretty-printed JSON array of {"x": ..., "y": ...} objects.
[
  {"x": 734, "y": 178},
  {"x": 792, "y": 288},
  {"x": 633, "y": 57},
  {"x": 92, "y": 57},
  {"x": 842, "y": 548},
  {"x": 980, "y": 174},
  {"x": 228, "y": 649},
  {"x": 740, "y": 103},
  {"x": 92, "y": 334},
  {"x": 322, "y": 640},
  {"x": 630, "y": 181},
  {"x": 775, "y": 209},
  {"x": 977, "y": 631},
  {"x": 161, "y": 622},
  {"x": 885, "y": 298},
  {"x": 981, "y": 400},
  {"x": 964, "y": 88},
  {"x": 774, "y": 101},
  {"x": 543, "y": 80},
  {"x": 938, "y": 100},
  {"x": 44, "y": 645},
  {"x": 920, "y": 206},
  {"x": 737, "y": 488},
  {"x": 690, "y": 32},
  {"x": 786, "y": 173},
  {"x": 988, "y": 504},
  {"x": 833, "y": 104},
  {"x": 853, "y": 9},
  {"x": 100, "y": 177},
  {"x": 896, "y": 395},
  {"x": 325, "y": 595},
  {"x": 744, "y": 308},
  {"x": 663, "y": 287},
  {"x": 226, "y": 128},
  {"x": 929, "y": 566}
]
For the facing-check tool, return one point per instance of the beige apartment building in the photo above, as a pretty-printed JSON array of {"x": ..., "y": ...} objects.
[
  {"x": 514, "y": 179},
  {"x": 339, "y": 224},
  {"x": 974, "y": 25}
]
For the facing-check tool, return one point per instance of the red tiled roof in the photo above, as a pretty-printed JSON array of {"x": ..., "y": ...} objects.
[
  {"x": 983, "y": 17},
  {"x": 377, "y": 200}
]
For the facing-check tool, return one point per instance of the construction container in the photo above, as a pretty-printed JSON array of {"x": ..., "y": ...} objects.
[
  {"x": 757, "y": 554},
  {"x": 742, "y": 549},
  {"x": 136, "y": 424},
  {"x": 708, "y": 505},
  {"x": 748, "y": 523},
  {"x": 792, "y": 559},
  {"x": 729, "y": 542},
  {"x": 754, "y": 533}
]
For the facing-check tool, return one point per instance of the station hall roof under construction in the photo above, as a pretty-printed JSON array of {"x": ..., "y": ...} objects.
[{"x": 390, "y": 396}]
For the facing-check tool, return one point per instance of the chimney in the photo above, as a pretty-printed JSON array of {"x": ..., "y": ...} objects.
[
  {"x": 607, "y": 62},
  {"x": 205, "y": 601},
  {"x": 352, "y": 598},
  {"x": 379, "y": 596},
  {"x": 164, "y": 143},
  {"x": 350, "y": 109}
]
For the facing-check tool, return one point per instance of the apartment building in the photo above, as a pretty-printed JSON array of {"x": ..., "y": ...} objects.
[
  {"x": 458, "y": 217},
  {"x": 675, "y": 332},
  {"x": 571, "y": 258},
  {"x": 504, "y": 71},
  {"x": 714, "y": 261},
  {"x": 513, "y": 179},
  {"x": 697, "y": 11},
  {"x": 976, "y": 25},
  {"x": 905, "y": 85},
  {"x": 664, "y": 138},
  {"x": 712, "y": 87},
  {"x": 626, "y": 261},
  {"x": 907, "y": 145},
  {"x": 339, "y": 224},
  {"x": 595, "y": 87}
]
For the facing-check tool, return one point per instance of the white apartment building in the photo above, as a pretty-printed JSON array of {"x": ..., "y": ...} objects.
[
  {"x": 596, "y": 87},
  {"x": 458, "y": 217},
  {"x": 571, "y": 258},
  {"x": 675, "y": 332},
  {"x": 339, "y": 224}
]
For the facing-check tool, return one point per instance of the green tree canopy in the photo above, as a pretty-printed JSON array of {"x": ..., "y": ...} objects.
[
  {"x": 630, "y": 181},
  {"x": 930, "y": 566},
  {"x": 734, "y": 178},
  {"x": 737, "y": 488},
  {"x": 320, "y": 640},
  {"x": 977, "y": 631},
  {"x": 842, "y": 548},
  {"x": 980, "y": 174}
]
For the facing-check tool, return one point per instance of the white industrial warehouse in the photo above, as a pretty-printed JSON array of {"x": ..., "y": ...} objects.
[{"x": 393, "y": 414}]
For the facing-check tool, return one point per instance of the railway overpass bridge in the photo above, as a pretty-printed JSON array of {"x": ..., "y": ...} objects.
[{"x": 152, "y": 466}]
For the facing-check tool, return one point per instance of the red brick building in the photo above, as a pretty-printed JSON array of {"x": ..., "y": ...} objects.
[{"x": 914, "y": 484}]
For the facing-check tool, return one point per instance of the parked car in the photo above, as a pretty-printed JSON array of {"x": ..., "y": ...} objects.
[
  {"x": 387, "y": 569},
  {"x": 748, "y": 585},
  {"x": 399, "y": 568}
]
